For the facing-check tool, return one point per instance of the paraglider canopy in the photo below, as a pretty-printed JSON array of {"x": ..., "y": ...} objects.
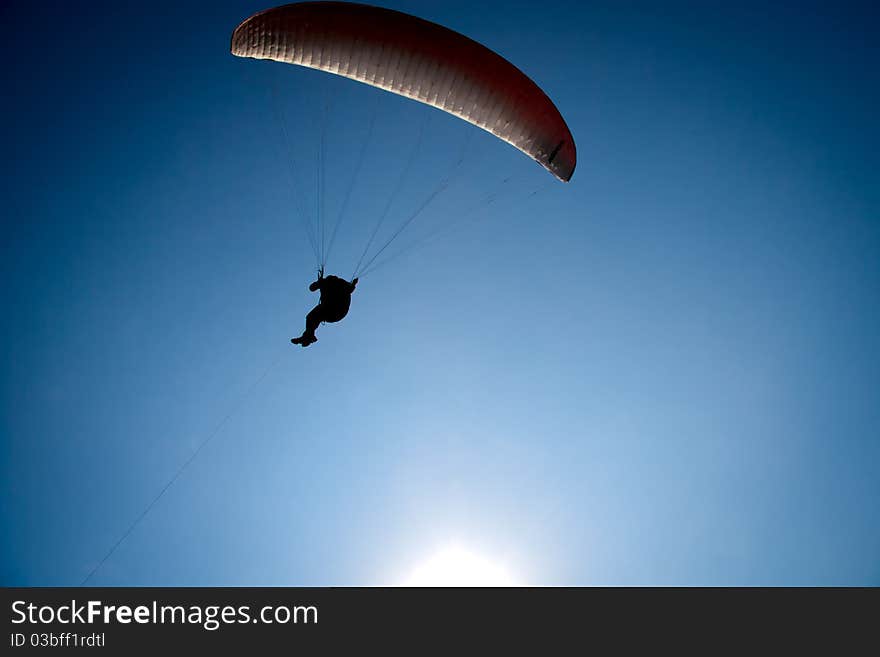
[{"x": 417, "y": 59}]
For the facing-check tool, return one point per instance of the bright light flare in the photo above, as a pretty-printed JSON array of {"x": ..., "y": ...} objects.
[{"x": 455, "y": 566}]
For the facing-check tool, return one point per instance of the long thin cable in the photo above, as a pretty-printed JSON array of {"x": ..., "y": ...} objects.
[
  {"x": 297, "y": 199},
  {"x": 446, "y": 228},
  {"x": 183, "y": 467},
  {"x": 318, "y": 170},
  {"x": 441, "y": 187},
  {"x": 321, "y": 172},
  {"x": 398, "y": 186},
  {"x": 344, "y": 207},
  {"x": 329, "y": 101}
]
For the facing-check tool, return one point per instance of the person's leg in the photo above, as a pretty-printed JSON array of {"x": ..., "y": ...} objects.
[{"x": 313, "y": 320}]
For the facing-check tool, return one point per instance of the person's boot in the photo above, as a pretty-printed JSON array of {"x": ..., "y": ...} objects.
[{"x": 304, "y": 340}]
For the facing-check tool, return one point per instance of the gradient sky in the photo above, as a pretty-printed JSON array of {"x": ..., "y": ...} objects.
[{"x": 666, "y": 372}]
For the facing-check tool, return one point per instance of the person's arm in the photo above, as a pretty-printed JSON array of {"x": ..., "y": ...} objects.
[
  {"x": 353, "y": 284},
  {"x": 317, "y": 284}
]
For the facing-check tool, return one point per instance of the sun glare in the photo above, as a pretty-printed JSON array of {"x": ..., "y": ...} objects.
[{"x": 455, "y": 566}]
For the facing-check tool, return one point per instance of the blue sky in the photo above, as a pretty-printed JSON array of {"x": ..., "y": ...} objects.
[{"x": 666, "y": 372}]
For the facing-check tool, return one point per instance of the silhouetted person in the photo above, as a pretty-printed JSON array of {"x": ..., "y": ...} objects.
[{"x": 334, "y": 304}]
